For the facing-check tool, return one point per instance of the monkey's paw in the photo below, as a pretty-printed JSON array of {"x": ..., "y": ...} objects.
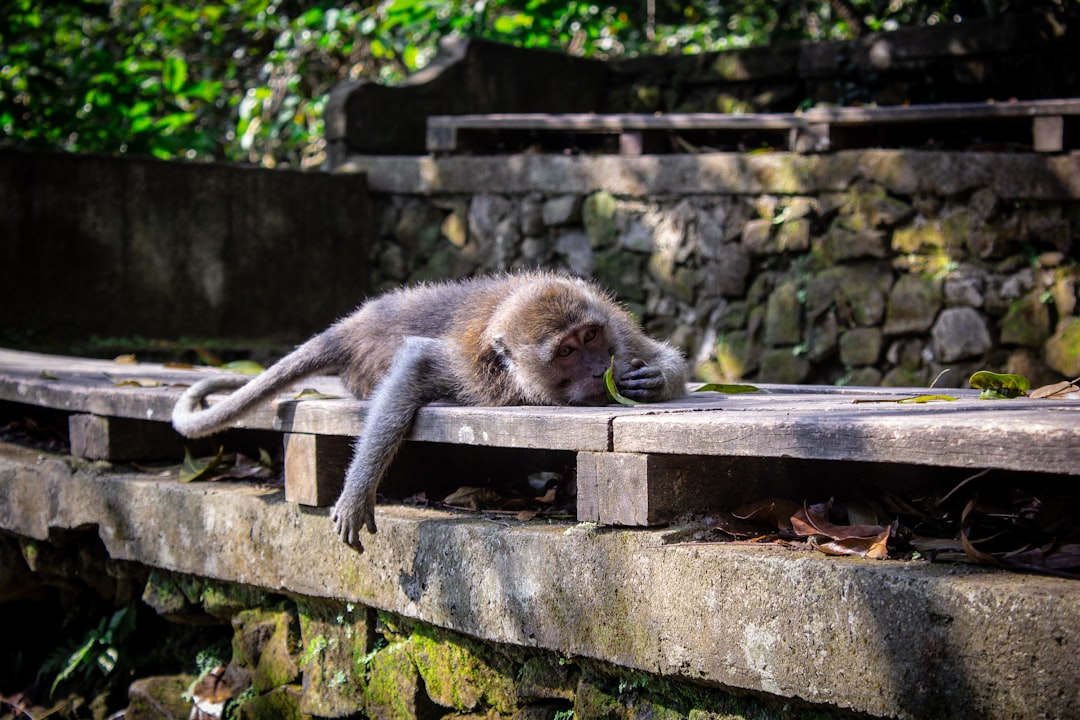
[
  {"x": 642, "y": 382},
  {"x": 352, "y": 513}
]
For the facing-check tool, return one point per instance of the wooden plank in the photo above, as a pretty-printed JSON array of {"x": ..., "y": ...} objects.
[
  {"x": 1020, "y": 434},
  {"x": 148, "y": 391},
  {"x": 813, "y": 130},
  {"x": 315, "y": 468}
]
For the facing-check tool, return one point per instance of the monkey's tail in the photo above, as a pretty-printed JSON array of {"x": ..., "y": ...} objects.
[{"x": 191, "y": 419}]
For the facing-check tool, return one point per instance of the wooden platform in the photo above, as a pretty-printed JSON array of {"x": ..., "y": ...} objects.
[
  {"x": 1042, "y": 125},
  {"x": 639, "y": 465}
]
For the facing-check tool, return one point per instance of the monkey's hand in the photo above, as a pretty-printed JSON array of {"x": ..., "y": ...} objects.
[
  {"x": 642, "y": 382},
  {"x": 354, "y": 511}
]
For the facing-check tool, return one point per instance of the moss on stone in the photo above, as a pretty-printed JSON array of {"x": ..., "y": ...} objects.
[
  {"x": 266, "y": 642},
  {"x": 281, "y": 703},
  {"x": 1063, "y": 348},
  {"x": 461, "y": 673},
  {"x": 1027, "y": 322},
  {"x": 336, "y": 639},
  {"x": 598, "y": 216}
]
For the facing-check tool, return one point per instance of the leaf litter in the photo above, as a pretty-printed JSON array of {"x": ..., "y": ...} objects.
[{"x": 982, "y": 520}]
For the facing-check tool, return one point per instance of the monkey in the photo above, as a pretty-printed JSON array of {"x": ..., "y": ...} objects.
[{"x": 534, "y": 338}]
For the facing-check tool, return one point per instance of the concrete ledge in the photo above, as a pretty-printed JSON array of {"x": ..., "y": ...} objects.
[
  {"x": 883, "y": 638},
  {"x": 1012, "y": 176}
]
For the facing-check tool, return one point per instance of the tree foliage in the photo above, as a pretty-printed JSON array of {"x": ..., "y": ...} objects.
[{"x": 247, "y": 80}]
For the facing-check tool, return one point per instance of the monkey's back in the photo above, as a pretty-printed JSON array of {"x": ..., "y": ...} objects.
[{"x": 372, "y": 335}]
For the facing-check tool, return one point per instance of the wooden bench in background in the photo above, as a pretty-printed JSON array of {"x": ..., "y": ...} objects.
[{"x": 1041, "y": 125}]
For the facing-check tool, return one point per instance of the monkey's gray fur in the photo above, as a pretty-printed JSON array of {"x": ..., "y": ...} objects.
[{"x": 525, "y": 339}]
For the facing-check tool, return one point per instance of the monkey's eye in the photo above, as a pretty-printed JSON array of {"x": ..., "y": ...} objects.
[
  {"x": 565, "y": 351},
  {"x": 590, "y": 335}
]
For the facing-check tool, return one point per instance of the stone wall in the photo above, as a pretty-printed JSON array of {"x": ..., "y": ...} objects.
[{"x": 869, "y": 267}]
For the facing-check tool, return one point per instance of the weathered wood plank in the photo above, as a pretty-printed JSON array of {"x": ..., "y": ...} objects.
[
  {"x": 815, "y": 130},
  {"x": 1020, "y": 434},
  {"x": 101, "y": 387}
]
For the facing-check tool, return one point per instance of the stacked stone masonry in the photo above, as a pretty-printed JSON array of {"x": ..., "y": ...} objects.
[{"x": 886, "y": 269}]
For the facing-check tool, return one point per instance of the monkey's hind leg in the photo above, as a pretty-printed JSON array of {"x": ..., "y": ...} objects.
[{"x": 413, "y": 380}]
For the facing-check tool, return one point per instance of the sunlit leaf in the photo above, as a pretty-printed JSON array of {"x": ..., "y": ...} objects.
[
  {"x": 999, "y": 385},
  {"x": 919, "y": 399},
  {"x": 313, "y": 394},
  {"x": 195, "y": 468},
  {"x": 138, "y": 382},
  {"x": 729, "y": 389},
  {"x": 245, "y": 367},
  {"x": 1064, "y": 388}
]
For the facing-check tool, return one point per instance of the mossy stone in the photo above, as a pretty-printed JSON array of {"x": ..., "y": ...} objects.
[
  {"x": 266, "y": 641},
  {"x": 1063, "y": 348},
  {"x": 598, "y": 215},
  {"x": 1027, "y": 322}
]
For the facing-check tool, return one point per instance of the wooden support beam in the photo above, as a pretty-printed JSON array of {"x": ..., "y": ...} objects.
[
  {"x": 315, "y": 467},
  {"x": 96, "y": 437},
  {"x": 1049, "y": 133},
  {"x": 641, "y": 489}
]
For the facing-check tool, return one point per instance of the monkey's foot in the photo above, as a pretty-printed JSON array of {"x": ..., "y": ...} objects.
[{"x": 351, "y": 514}]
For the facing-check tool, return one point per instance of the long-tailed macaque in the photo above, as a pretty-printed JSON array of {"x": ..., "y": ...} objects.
[{"x": 528, "y": 339}]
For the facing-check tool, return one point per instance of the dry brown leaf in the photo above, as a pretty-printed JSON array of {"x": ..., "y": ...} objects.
[
  {"x": 774, "y": 511},
  {"x": 471, "y": 498}
]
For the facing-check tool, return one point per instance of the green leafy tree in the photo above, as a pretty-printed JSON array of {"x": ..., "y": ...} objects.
[{"x": 248, "y": 80}]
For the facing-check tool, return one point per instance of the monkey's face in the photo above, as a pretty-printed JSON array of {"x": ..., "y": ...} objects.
[{"x": 577, "y": 366}]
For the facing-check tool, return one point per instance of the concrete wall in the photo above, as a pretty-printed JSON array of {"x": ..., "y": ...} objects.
[{"x": 122, "y": 247}]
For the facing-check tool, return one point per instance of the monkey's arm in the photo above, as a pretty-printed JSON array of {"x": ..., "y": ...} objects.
[
  {"x": 414, "y": 379},
  {"x": 654, "y": 372}
]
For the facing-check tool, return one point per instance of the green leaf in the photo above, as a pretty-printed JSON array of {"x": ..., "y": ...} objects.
[
  {"x": 998, "y": 386},
  {"x": 246, "y": 367},
  {"x": 729, "y": 389},
  {"x": 612, "y": 391},
  {"x": 926, "y": 398},
  {"x": 195, "y": 468},
  {"x": 174, "y": 74}
]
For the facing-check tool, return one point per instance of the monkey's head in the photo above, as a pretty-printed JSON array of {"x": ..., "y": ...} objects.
[{"x": 555, "y": 341}]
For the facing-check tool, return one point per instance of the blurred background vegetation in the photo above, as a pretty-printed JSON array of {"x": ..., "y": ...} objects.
[{"x": 247, "y": 80}]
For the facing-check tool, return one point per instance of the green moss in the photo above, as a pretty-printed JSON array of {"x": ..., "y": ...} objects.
[
  {"x": 281, "y": 703},
  {"x": 336, "y": 639},
  {"x": 598, "y": 216},
  {"x": 1063, "y": 348},
  {"x": 461, "y": 673},
  {"x": 266, "y": 642}
]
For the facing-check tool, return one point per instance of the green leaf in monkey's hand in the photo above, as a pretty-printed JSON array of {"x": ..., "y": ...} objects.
[
  {"x": 999, "y": 386},
  {"x": 612, "y": 391}
]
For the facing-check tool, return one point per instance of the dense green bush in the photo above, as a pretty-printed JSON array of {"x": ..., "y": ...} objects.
[{"x": 247, "y": 80}]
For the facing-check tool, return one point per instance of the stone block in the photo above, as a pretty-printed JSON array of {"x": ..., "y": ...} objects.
[
  {"x": 913, "y": 305},
  {"x": 783, "y": 315},
  {"x": 1063, "y": 348},
  {"x": 960, "y": 333},
  {"x": 860, "y": 346},
  {"x": 1027, "y": 322}
]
